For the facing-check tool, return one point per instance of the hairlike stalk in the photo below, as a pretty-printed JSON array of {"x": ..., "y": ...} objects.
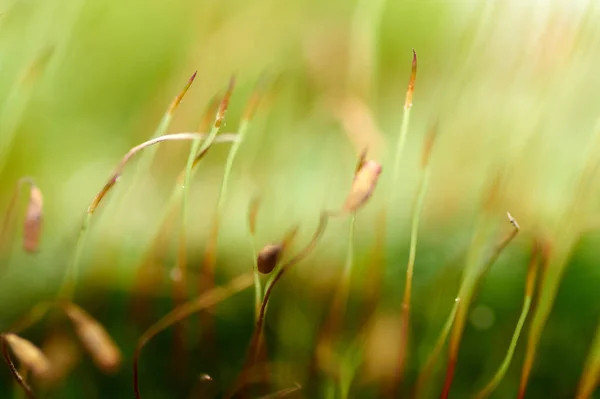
[
  {"x": 465, "y": 295},
  {"x": 405, "y": 120},
  {"x": 414, "y": 231},
  {"x": 69, "y": 281},
  {"x": 529, "y": 289},
  {"x": 428, "y": 368},
  {"x": 569, "y": 230},
  {"x": 252, "y": 213},
  {"x": 167, "y": 220},
  {"x": 180, "y": 283},
  {"x": 183, "y": 311},
  {"x": 258, "y": 329},
  {"x": 146, "y": 160},
  {"x": 590, "y": 379},
  {"x": 348, "y": 266},
  {"x": 210, "y": 253}
]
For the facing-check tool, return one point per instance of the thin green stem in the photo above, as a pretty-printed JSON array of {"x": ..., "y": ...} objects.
[
  {"x": 146, "y": 160},
  {"x": 400, "y": 145},
  {"x": 208, "y": 299},
  {"x": 466, "y": 292},
  {"x": 349, "y": 264},
  {"x": 303, "y": 253},
  {"x": 591, "y": 373},
  {"x": 233, "y": 150},
  {"x": 428, "y": 368},
  {"x": 67, "y": 289},
  {"x": 194, "y": 151},
  {"x": 529, "y": 290},
  {"x": 491, "y": 386},
  {"x": 414, "y": 232},
  {"x": 405, "y": 123},
  {"x": 70, "y": 279},
  {"x": 257, "y": 283}
]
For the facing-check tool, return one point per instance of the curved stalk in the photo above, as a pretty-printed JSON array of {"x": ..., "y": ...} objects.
[
  {"x": 183, "y": 311},
  {"x": 69, "y": 281},
  {"x": 529, "y": 288}
]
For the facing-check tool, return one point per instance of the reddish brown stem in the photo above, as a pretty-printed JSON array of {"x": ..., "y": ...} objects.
[
  {"x": 181, "y": 312},
  {"x": 464, "y": 305},
  {"x": 13, "y": 369}
]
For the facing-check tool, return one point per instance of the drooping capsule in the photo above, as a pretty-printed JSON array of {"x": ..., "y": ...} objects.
[
  {"x": 28, "y": 354},
  {"x": 363, "y": 186},
  {"x": 268, "y": 257},
  {"x": 96, "y": 340}
]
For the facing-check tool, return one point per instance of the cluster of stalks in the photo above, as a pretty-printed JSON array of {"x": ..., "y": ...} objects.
[{"x": 277, "y": 258}]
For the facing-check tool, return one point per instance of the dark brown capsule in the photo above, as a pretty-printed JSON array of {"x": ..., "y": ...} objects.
[{"x": 268, "y": 257}]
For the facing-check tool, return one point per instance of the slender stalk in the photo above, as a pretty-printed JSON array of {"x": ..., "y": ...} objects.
[
  {"x": 211, "y": 248},
  {"x": 569, "y": 229},
  {"x": 69, "y": 281},
  {"x": 414, "y": 231},
  {"x": 466, "y": 292},
  {"x": 427, "y": 370},
  {"x": 161, "y": 129},
  {"x": 252, "y": 214},
  {"x": 590, "y": 378},
  {"x": 167, "y": 220},
  {"x": 257, "y": 283},
  {"x": 257, "y": 336},
  {"x": 348, "y": 266},
  {"x": 282, "y": 392},
  {"x": 337, "y": 309},
  {"x": 183, "y": 311},
  {"x": 13, "y": 369},
  {"x": 529, "y": 288},
  {"x": 405, "y": 122},
  {"x": 198, "y": 147},
  {"x": 249, "y": 112},
  {"x": 18, "y": 392}
]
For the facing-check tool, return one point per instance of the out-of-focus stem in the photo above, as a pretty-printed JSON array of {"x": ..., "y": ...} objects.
[{"x": 529, "y": 288}]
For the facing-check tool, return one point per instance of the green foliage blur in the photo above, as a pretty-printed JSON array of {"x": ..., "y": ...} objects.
[{"x": 512, "y": 85}]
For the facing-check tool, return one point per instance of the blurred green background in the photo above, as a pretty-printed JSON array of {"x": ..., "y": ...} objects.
[{"x": 513, "y": 85}]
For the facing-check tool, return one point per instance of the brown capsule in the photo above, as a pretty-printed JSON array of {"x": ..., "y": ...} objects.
[
  {"x": 33, "y": 220},
  {"x": 411, "y": 83},
  {"x": 105, "y": 353},
  {"x": 268, "y": 257},
  {"x": 28, "y": 354},
  {"x": 363, "y": 186}
]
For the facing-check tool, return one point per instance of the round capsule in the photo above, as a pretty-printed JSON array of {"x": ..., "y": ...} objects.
[{"x": 268, "y": 257}]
